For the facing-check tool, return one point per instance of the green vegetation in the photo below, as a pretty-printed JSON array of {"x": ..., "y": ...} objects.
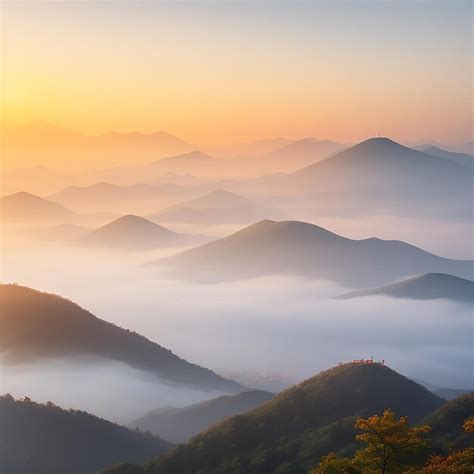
[
  {"x": 391, "y": 446},
  {"x": 43, "y": 438},
  {"x": 35, "y": 324},
  {"x": 290, "y": 433}
]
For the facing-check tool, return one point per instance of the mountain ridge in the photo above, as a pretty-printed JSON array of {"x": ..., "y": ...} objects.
[
  {"x": 32, "y": 326},
  {"x": 295, "y": 428},
  {"x": 426, "y": 286},
  {"x": 44, "y": 438},
  {"x": 299, "y": 248}
]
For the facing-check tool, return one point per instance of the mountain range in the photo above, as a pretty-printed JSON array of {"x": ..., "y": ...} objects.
[
  {"x": 301, "y": 153},
  {"x": 216, "y": 207},
  {"x": 101, "y": 195},
  {"x": 299, "y": 248},
  {"x": 135, "y": 233},
  {"x": 179, "y": 424},
  {"x": 38, "y": 134},
  {"x": 44, "y": 439},
  {"x": 463, "y": 159},
  {"x": 382, "y": 165},
  {"x": 26, "y": 208},
  {"x": 424, "y": 287},
  {"x": 36, "y": 325},
  {"x": 377, "y": 175},
  {"x": 290, "y": 432}
]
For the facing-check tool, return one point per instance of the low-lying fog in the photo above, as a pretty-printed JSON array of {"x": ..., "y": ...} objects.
[
  {"x": 107, "y": 389},
  {"x": 274, "y": 324}
]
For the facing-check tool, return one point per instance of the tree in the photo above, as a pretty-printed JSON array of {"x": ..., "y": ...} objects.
[
  {"x": 333, "y": 464},
  {"x": 392, "y": 445},
  {"x": 458, "y": 462}
]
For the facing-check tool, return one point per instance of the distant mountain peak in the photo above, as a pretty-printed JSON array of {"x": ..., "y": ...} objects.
[
  {"x": 320, "y": 411},
  {"x": 423, "y": 287},
  {"x": 132, "y": 222},
  {"x": 376, "y": 143}
]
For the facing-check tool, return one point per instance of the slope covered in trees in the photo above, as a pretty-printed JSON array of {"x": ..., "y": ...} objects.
[
  {"x": 44, "y": 439},
  {"x": 179, "y": 424},
  {"x": 35, "y": 324},
  {"x": 291, "y": 432}
]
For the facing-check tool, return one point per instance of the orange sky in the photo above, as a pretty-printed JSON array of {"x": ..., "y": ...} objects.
[{"x": 213, "y": 73}]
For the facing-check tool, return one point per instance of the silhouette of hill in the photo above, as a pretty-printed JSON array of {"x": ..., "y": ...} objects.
[
  {"x": 179, "y": 424},
  {"x": 134, "y": 232},
  {"x": 301, "y": 153},
  {"x": 40, "y": 134},
  {"x": 28, "y": 142},
  {"x": 252, "y": 149},
  {"x": 43, "y": 438},
  {"x": 293, "y": 247},
  {"x": 103, "y": 193},
  {"x": 460, "y": 158},
  {"x": 378, "y": 163},
  {"x": 27, "y": 208},
  {"x": 424, "y": 287},
  {"x": 216, "y": 207},
  {"x": 294, "y": 429},
  {"x": 195, "y": 163},
  {"x": 35, "y": 325},
  {"x": 447, "y": 424},
  {"x": 450, "y": 393},
  {"x": 379, "y": 174}
]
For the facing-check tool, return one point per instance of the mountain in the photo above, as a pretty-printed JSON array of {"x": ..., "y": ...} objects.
[
  {"x": 36, "y": 325},
  {"x": 298, "y": 248},
  {"x": 37, "y": 439},
  {"x": 84, "y": 197},
  {"x": 424, "y": 287},
  {"x": 379, "y": 163},
  {"x": 179, "y": 424},
  {"x": 27, "y": 208},
  {"x": 378, "y": 175},
  {"x": 195, "y": 163},
  {"x": 39, "y": 134},
  {"x": 460, "y": 158},
  {"x": 36, "y": 142},
  {"x": 294, "y": 429},
  {"x": 216, "y": 207},
  {"x": 301, "y": 153},
  {"x": 447, "y": 424},
  {"x": 450, "y": 393},
  {"x": 252, "y": 149},
  {"x": 134, "y": 232}
]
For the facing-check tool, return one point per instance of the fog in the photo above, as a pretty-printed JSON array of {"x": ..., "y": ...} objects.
[
  {"x": 107, "y": 389},
  {"x": 284, "y": 325}
]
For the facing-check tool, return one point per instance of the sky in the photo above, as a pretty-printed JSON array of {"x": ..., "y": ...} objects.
[{"x": 223, "y": 72}]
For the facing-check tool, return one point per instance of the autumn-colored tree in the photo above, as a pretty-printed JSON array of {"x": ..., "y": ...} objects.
[
  {"x": 333, "y": 464},
  {"x": 392, "y": 446},
  {"x": 469, "y": 425},
  {"x": 459, "y": 462}
]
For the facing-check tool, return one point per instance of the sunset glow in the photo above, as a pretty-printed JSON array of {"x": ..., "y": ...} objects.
[{"x": 223, "y": 73}]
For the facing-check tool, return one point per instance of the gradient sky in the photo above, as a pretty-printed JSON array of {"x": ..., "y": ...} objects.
[{"x": 215, "y": 72}]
